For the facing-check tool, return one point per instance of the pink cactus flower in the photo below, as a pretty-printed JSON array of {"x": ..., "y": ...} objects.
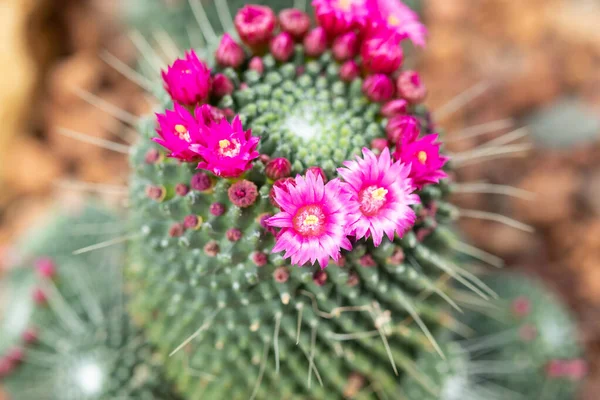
[
  {"x": 188, "y": 80},
  {"x": 178, "y": 129},
  {"x": 397, "y": 17},
  {"x": 282, "y": 46},
  {"x": 226, "y": 149},
  {"x": 229, "y": 53},
  {"x": 294, "y": 22},
  {"x": 341, "y": 16},
  {"x": 382, "y": 53},
  {"x": 255, "y": 24},
  {"x": 382, "y": 194},
  {"x": 424, "y": 157},
  {"x": 313, "y": 219}
]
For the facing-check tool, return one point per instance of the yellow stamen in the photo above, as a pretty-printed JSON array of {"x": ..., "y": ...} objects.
[
  {"x": 379, "y": 194},
  {"x": 393, "y": 20},
  {"x": 224, "y": 143},
  {"x": 311, "y": 220},
  {"x": 345, "y": 4},
  {"x": 180, "y": 129},
  {"x": 422, "y": 156}
]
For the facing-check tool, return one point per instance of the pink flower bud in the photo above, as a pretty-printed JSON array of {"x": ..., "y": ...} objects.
[
  {"x": 278, "y": 168},
  {"x": 176, "y": 230},
  {"x": 152, "y": 156},
  {"x": 281, "y": 275},
  {"x": 188, "y": 80},
  {"x": 182, "y": 189},
  {"x": 222, "y": 86},
  {"x": 229, "y": 53},
  {"x": 255, "y": 24},
  {"x": 402, "y": 129},
  {"x": 39, "y": 297},
  {"x": 353, "y": 279},
  {"x": 282, "y": 47},
  {"x": 201, "y": 182},
  {"x": 379, "y": 144},
  {"x": 217, "y": 209},
  {"x": 256, "y": 64},
  {"x": 45, "y": 268},
  {"x": 345, "y": 46},
  {"x": 30, "y": 336},
  {"x": 521, "y": 306},
  {"x": 410, "y": 87},
  {"x": 211, "y": 248},
  {"x": 233, "y": 235},
  {"x": 381, "y": 54},
  {"x": 157, "y": 193},
  {"x": 378, "y": 88},
  {"x": 260, "y": 259},
  {"x": 315, "y": 42},
  {"x": 208, "y": 115},
  {"x": 320, "y": 277},
  {"x": 576, "y": 369},
  {"x": 318, "y": 171},
  {"x": 349, "y": 71},
  {"x": 192, "y": 222},
  {"x": 556, "y": 368},
  {"x": 394, "y": 107},
  {"x": 294, "y": 22},
  {"x": 243, "y": 193}
]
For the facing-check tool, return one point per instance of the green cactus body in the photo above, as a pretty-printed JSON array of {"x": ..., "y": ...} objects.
[
  {"x": 75, "y": 341},
  {"x": 241, "y": 322}
]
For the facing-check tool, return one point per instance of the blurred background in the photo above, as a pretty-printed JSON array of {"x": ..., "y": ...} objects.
[{"x": 540, "y": 60}]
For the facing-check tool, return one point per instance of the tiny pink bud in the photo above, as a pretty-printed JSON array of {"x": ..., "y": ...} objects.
[
  {"x": 39, "y": 297},
  {"x": 278, "y": 168},
  {"x": 378, "y": 88},
  {"x": 315, "y": 42},
  {"x": 294, "y": 22},
  {"x": 255, "y": 24},
  {"x": 260, "y": 259},
  {"x": 318, "y": 171},
  {"x": 555, "y": 368},
  {"x": 201, "y": 182},
  {"x": 397, "y": 258},
  {"x": 349, "y": 71},
  {"x": 176, "y": 230},
  {"x": 281, "y": 275},
  {"x": 256, "y": 64},
  {"x": 45, "y": 268},
  {"x": 182, "y": 189},
  {"x": 229, "y": 53},
  {"x": 222, "y": 85},
  {"x": 30, "y": 336},
  {"x": 394, "y": 107},
  {"x": 283, "y": 185},
  {"x": 282, "y": 46},
  {"x": 320, "y": 277},
  {"x": 152, "y": 156},
  {"x": 211, "y": 248},
  {"x": 576, "y": 369},
  {"x": 233, "y": 234},
  {"x": 157, "y": 193},
  {"x": 379, "y": 144},
  {"x": 521, "y": 306},
  {"x": 353, "y": 279},
  {"x": 243, "y": 86},
  {"x": 6, "y": 367},
  {"x": 16, "y": 355},
  {"x": 264, "y": 158},
  {"x": 367, "y": 261},
  {"x": 410, "y": 87},
  {"x": 345, "y": 46},
  {"x": 402, "y": 129},
  {"x": 192, "y": 221},
  {"x": 381, "y": 54},
  {"x": 188, "y": 80},
  {"x": 243, "y": 193},
  {"x": 217, "y": 209}
]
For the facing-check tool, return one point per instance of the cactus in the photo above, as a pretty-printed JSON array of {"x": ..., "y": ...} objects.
[
  {"x": 210, "y": 286},
  {"x": 64, "y": 333}
]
